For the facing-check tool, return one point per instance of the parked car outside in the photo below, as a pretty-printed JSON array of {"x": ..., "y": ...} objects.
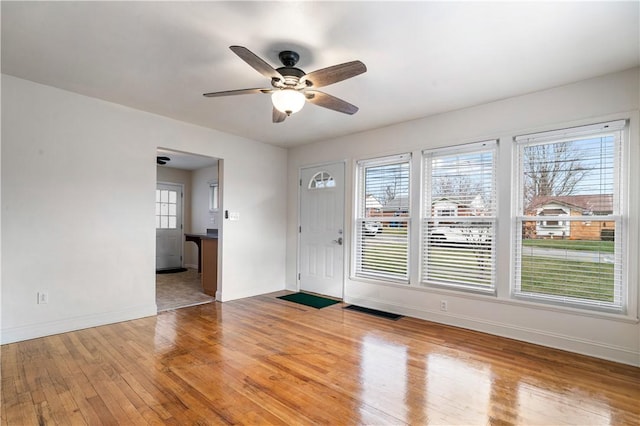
[
  {"x": 372, "y": 228},
  {"x": 447, "y": 235},
  {"x": 458, "y": 235}
]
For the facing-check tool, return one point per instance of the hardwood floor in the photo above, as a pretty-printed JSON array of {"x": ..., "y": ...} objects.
[{"x": 263, "y": 360}]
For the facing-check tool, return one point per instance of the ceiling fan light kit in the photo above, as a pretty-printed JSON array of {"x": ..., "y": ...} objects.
[
  {"x": 288, "y": 101},
  {"x": 291, "y": 87}
]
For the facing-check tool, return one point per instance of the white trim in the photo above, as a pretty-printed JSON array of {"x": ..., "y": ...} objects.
[
  {"x": 345, "y": 243},
  {"x": 388, "y": 159},
  {"x": 32, "y": 331},
  {"x": 611, "y": 126},
  {"x": 182, "y": 230},
  {"x": 359, "y": 214},
  {"x": 488, "y": 145},
  {"x": 616, "y": 129},
  {"x": 429, "y": 221}
]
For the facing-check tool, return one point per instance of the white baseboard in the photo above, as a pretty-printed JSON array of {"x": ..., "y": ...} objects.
[
  {"x": 33, "y": 331},
  {"x": 190, "y": 266},
  {"x": 529, "y": 335}
]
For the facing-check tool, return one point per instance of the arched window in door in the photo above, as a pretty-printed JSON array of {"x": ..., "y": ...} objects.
[{"x": 322, "y": 180}]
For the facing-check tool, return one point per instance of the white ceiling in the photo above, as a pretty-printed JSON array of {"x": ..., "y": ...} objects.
[
  {"x": 185, "y": 161},
  {"x": 423, "y": 58}
]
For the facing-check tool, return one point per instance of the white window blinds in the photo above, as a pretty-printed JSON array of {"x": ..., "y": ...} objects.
[
  {"x": 383, "y": 218},
  {"x": 459, "y": 217},
  {"x": 568, "y": 234}
]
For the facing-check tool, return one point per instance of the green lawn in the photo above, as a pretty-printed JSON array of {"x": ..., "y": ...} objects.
[
  {"x": 541, "y": 275},
  {"x": 460, "y": 266},
  {"x": 601, "y": 246},
  {"x": 560, "y": 277},
  {"x": 388, "y": 260},
  {"x": 570, "y": 278},
  {"x": 386, "y": 255}
]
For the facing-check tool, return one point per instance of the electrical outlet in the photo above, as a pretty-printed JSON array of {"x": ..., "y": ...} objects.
[
  {"x": 43, "y": 297},
  {"x": 443, "y": 305}
]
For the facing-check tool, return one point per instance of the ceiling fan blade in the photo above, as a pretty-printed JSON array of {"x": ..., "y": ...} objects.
[
  {"x": 327, "y": 101},
  {"x": 334, "y": 74},
  {"x": 236, "y": 92},
  {"x": 278, "y": 116},
  {"x": 256, "y": 62}
]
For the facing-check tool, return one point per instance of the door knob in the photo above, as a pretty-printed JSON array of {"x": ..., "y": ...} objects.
[{"x": 338, "y": 241}]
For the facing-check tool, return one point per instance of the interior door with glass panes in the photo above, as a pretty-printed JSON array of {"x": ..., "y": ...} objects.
[
  {"x": 168, "y": 226},
  {"x": 321, "y": 253}
]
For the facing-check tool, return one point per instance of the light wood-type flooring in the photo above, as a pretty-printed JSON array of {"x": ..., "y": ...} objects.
[{"x": 265, "y": 361}]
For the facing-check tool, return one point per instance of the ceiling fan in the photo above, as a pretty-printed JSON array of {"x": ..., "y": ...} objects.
[
  {"x": 291, "y": 87},
  {"x": 162, "y": 160}
]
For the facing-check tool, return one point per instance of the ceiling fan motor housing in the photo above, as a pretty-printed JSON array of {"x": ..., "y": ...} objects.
[
  {"x": 291, "y": 74},
  {"x": 289, "y": 58}
]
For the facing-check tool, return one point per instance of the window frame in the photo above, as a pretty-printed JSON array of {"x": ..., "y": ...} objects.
[
  {"x": 428, "y": 216},
  {"x": 360, "y": 218},
  {"x": 167, "y": 213},
  {"x": 214, "y": 196},
  {"x": 619, "y": 129}
]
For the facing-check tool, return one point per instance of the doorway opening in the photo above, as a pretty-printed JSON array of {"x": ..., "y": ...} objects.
[{"x": 185, "y": 214}]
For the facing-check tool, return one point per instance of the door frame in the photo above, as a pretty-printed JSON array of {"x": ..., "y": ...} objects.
[
  {"x": 181, "y": 218},
  {"x": 346, "y": 239}
]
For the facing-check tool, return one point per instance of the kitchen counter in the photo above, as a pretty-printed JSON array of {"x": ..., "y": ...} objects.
[
  {"x": 212, "y": 234},
  {"x": 207, "y": 259}
]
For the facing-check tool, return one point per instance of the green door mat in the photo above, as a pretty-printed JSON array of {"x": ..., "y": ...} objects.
[{"x": 309, "y": 300}]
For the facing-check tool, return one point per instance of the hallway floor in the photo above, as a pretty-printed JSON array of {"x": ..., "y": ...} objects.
[{"x": 179, "y": 290}]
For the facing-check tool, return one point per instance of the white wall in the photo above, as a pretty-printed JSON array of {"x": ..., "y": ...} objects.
[
  {"x": 608, "y": 97},
  {"x": 78, "y": 189}
]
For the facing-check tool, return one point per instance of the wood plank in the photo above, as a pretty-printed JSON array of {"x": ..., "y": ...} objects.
[{"x": 262, "y": 360}]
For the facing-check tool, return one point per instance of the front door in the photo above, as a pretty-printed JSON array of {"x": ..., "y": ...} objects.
[
  {"x": 321, "y": 254},
  {"x": 168, "y": 226}
]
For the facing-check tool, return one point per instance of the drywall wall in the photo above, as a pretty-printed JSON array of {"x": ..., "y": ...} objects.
[
  {"x": 80, "y": 225},
  {"x": 182, "y": 177},
  {"x": 608, "y": 97}
]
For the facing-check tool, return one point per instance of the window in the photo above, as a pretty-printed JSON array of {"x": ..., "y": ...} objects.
[
  {"x": 573, "y": 254},
  {"x": 166, "y": 209},
  {"x": 322, "y": 180},
  {"x": 213, "y": 197},
  {"x": 459, "y": 217},
  {"x": 383, "y": 218}
]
